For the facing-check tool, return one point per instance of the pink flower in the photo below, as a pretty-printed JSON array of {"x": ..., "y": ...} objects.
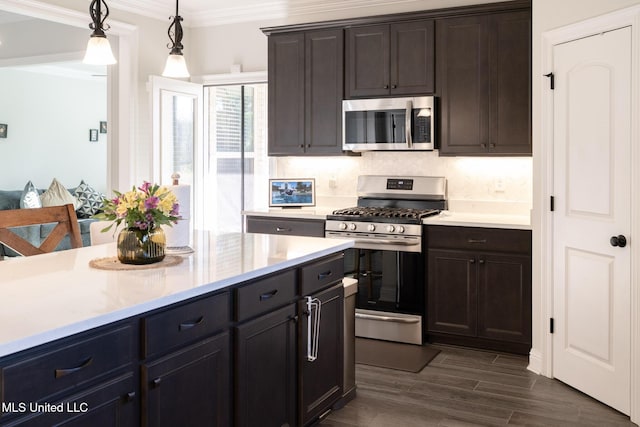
[
  {"x": 151, "y": 202},
  {"x": 145, "y": 187}
]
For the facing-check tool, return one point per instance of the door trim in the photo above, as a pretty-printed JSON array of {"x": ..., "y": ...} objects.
[{"x": 541, "y": 356}]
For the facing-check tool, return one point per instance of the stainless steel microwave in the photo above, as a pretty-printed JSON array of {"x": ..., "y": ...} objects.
[{"x": 388, "y": 124}]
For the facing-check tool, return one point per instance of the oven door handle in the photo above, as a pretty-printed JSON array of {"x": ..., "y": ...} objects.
[
  {"x": 385, "y": 318},
  {"x": 389, "y": 242},
  {"x": 407, "y": 124}
]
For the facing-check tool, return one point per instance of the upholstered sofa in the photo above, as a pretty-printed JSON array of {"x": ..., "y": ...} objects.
[{"x": 35, "y": 234}]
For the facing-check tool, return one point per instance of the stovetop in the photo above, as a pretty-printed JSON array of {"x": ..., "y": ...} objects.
[{"x": 394, "y": 215}]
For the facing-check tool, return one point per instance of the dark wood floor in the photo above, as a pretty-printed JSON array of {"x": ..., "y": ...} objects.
[{"x": 463, "y": 387}]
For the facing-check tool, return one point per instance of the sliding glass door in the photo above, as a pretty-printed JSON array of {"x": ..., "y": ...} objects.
[{"x": 237, "y": 169}]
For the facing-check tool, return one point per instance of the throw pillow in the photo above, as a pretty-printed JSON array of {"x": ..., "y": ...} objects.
[
  {"x": 30, "y": 198},
  {"x": 57, "y": 195},
  {"x": 89, "y": 199}
]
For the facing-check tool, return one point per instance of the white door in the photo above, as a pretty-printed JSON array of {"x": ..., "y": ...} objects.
[
  {"x": 177, "y": 138},
  {"x": 592, "y": 278}
]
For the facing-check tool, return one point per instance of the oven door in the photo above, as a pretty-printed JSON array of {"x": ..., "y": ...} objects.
[{"x": 388, "y": 280}]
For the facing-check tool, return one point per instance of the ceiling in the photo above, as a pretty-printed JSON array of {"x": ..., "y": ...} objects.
[{"x": 197, "y": 13}]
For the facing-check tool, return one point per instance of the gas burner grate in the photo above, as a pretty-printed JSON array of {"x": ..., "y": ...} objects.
[{"x": 385, "y": 212}]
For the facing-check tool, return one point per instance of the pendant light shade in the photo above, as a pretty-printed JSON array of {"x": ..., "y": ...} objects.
[
  {"x": 98, "y": 48},
  {"x": 176, "y": 66}
]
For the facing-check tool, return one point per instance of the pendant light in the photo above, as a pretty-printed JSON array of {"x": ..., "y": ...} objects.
[
  {"x": 98, "y": 49},
  {"x": 176, "y": 65}
]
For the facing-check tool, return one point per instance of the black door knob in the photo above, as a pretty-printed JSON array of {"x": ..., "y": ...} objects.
[{"x": 619, "y": 241}]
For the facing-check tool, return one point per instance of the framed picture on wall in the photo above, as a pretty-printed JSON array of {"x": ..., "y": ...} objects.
[
  {"x": 103, "y": 127},
  {"x": 292, "y": 192},
  {"x": 3, "y": 130},
  {"x": 93, "y": 135}
]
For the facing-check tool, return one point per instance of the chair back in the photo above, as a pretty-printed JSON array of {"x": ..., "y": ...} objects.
[{"x": 64, "y": 216}]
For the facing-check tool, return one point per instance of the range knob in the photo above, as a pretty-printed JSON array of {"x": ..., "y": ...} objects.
[
  {"x": 342, "y": 226},
  {"x": 400, "y": 229},
  {"x": 352, "y": 226},
  {"x": 371, "y": 227},
  {"x": 390, "y": 228}
]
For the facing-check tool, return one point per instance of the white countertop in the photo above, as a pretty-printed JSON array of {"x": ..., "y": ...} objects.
[
  {"x": 46, "y": 297},
  {"x": 487, "y": 220},
  {"x": 293, "y": 213}
]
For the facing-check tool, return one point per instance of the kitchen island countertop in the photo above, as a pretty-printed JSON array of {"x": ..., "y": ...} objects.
[{"x": 51, "y": 296}]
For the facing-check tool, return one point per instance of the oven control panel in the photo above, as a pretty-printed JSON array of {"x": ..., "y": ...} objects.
[{"x": 375, "y": 228}]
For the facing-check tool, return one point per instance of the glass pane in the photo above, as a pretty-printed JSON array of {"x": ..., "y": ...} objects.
[
  {"x": 238, "y": 166},
  {"x": 178, "y": 134}
]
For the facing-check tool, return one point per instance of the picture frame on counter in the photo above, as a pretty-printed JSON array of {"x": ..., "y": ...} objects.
[{"x": 292, "y": 193}]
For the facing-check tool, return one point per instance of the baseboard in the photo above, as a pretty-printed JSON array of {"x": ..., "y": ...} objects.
[{"x": 535, "y": 362}]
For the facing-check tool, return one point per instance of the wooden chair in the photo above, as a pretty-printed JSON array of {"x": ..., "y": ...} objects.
[{"x": 65, "y": 216}]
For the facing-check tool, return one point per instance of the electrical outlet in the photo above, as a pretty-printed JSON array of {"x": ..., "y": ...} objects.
[
  {"x": 332, "y": 182},
  {"x": 499, "y": 185}
]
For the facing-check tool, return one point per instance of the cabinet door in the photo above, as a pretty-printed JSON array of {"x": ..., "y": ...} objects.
[
  {"x": 510, "y": 96},
  {"x": 452, "y": 292},
  {"x": 463, "y": 84},
  {"x": 412, "y": 58},
  {"x": 368, "y": 61},
  {"x": 190, "y": 387},
  {"x": 504, "y": 297},
  {"x": 113, "y": 403},
  {"x": 286, "y": 94},
  {"x": 266, "y": 370},
  {"x": 324, "y": 86},
  {"x": 321, "y": 379}
]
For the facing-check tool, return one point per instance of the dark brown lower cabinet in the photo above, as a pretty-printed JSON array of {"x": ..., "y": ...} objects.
[
  {"x": 266, "y": 369},
  {"x": 112, "y": 403},
  {"x": 479, "y": 298},
  {"x": 321, "y": 378},
  {"x": 189, "y": 387}
]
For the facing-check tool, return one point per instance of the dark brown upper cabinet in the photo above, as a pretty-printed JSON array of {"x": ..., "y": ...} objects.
[
  {"x": 306, "y": 83},
  {"x": 390, "y": 59},
  {"x": 484, "y": 84}
]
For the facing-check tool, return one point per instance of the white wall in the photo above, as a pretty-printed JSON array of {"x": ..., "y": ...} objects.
[{"x": 48, "y": 120}]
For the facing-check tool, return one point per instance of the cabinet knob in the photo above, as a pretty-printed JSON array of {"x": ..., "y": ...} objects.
[
  {"x": 481, "y": 261},
  {"x": 483, "y": 145},
  {"x": 393, "y": 86},
  {"x": 386, "y": 86},
  {"x": 130, "y": 396},
  {"x": 301, "y": 146},
  {"x": 472, "y": 261},
  {"x": 156, "y": 383},
  {"x": 492, "y": 145}
]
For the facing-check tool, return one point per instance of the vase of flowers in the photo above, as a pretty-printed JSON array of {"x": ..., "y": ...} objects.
[{"x": 143, "y": 210}]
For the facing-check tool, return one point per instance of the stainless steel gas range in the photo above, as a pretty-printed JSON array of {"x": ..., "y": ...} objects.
[{"x": 387, "y": 258}]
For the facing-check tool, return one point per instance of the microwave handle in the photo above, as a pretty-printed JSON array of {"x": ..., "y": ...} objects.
[{"x": 407, "y": 124}]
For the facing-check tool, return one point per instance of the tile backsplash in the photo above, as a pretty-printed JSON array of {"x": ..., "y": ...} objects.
[{"x": 473, "y": 182}]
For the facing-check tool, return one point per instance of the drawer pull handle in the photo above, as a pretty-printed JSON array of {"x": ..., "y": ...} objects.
[
  {"x": 477, "y": 240},
  {"x": 281, "y": 229},
  {"x": 130, "y": 396},
  {"x": 156, "y": 383},
  {"x": 59, "y": 373},
  {"x": 190, "y": 324},
  {"x": 268, "y": 295},
  {"x": 324, "y": 275}
]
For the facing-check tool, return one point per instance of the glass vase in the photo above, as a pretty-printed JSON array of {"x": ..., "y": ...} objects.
[{"x": 137, "y": 246}]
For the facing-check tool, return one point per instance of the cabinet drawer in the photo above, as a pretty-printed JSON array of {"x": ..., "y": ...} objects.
[
  {"x": 68, "y": 367},
  {"x": 291, "y": 227},
  {"x": 482, "y": 239},
  {"x": 265, "y": 295},
  {"x": 321, "y": 274},
  {"x": 185, "y": 323}
]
